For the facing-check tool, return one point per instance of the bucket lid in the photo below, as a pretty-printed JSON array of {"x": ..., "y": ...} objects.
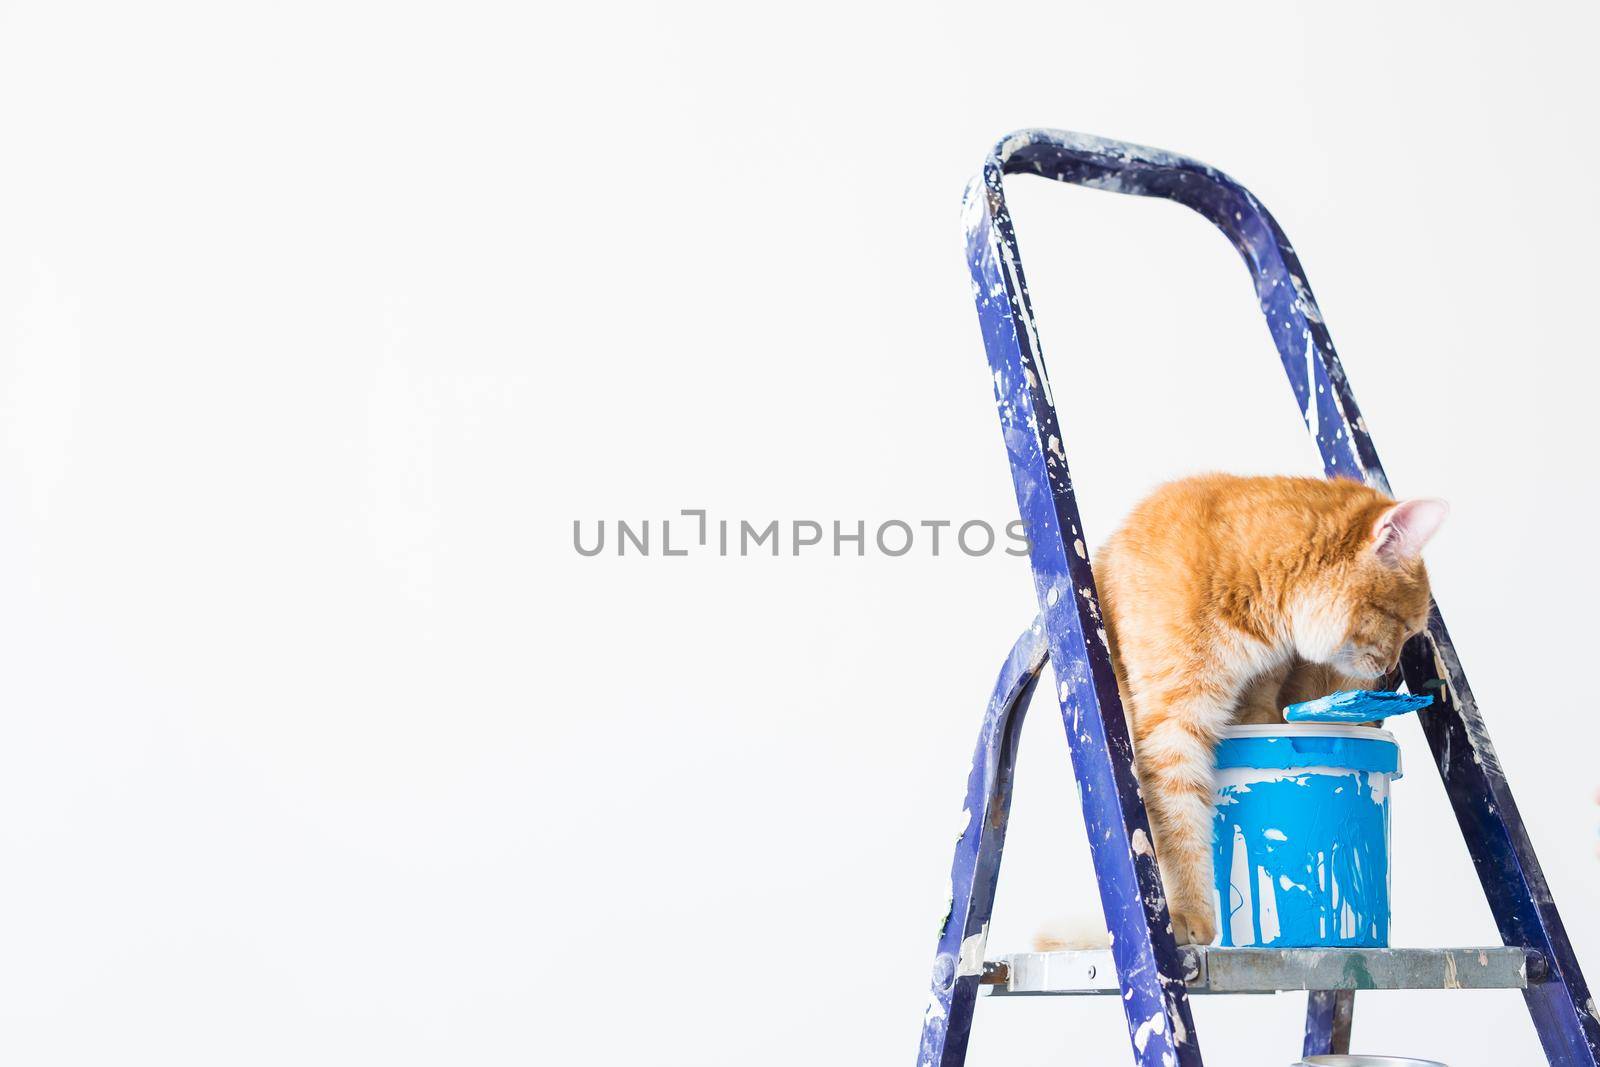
[
  {"x": 1292, "y": 745},
  {"x": 1307, "y": 729}
]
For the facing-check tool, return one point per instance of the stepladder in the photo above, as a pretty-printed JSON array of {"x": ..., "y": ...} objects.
[{"x": 1152, "y": 975}]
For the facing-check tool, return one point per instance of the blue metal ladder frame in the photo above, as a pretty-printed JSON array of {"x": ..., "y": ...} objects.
[{"x": 1069, "y": 633}]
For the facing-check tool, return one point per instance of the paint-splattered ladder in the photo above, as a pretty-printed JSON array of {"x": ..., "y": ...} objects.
[{"x": 1153, "y": 977}]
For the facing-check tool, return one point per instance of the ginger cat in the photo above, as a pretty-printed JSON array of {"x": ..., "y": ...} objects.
[{"x": 1227, "y": 598}]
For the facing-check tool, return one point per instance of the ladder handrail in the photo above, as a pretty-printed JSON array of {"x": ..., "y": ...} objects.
[
  {"x": 1150, "y": 971},
  {"x": 1281, "y": 288}
]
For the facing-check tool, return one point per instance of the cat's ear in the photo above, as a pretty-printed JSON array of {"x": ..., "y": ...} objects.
[{"x": 1401, "y": 532}]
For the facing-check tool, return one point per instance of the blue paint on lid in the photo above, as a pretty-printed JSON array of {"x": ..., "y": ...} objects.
[
  {"x": 1355, "y": 705},
  {"x": 1286, "y": 752}
]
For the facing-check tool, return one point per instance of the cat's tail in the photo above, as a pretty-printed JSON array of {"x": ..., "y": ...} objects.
[{"x": 1074, "y": 933}]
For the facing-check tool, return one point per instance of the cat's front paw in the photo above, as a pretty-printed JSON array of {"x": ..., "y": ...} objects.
[{"x": 1193, "y": 927}]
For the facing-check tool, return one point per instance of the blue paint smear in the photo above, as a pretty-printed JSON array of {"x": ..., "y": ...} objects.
[
  {"x": 1300, "y": 840},
  {"x": 1355, "y": 705},
  {"x": 1315, "y": 862}
]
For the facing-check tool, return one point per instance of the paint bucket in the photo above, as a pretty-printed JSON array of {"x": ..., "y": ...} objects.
[
  {"x": 1366, "y": 1061},
  {"x": 1300, "y": 839}
]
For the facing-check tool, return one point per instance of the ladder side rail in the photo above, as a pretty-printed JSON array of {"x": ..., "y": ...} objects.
[
  {"x": 1149, "y": 968},
  {"x": 1563, "y": 1009},
  {"x": 1329, "y": 1013},
  {"x": 958, "y": 962}
]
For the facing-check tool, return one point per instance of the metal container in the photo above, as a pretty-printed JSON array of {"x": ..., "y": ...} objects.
[{"x": 1366, "y": 1061}]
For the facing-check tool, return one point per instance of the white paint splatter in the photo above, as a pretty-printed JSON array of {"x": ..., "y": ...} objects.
[
  {"x": 1268, "y": 898},
  {"x": 1156, "y": 1024},
  {"x": 1240, "y": 926},
  {"x": 1311, "y": 393},
  {"x": 970, "y": 961}
]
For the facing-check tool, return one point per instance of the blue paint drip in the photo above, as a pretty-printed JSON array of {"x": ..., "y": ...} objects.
[
  {"x": 1301, "y": 854},
  {"x": 1354, "y": 706}
]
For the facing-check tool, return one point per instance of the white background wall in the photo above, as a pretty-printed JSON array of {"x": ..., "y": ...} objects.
[{"x": 321, "y": 322}]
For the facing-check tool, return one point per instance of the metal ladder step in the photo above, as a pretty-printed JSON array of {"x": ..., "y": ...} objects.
[{"x": 1210, "y": 969}]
